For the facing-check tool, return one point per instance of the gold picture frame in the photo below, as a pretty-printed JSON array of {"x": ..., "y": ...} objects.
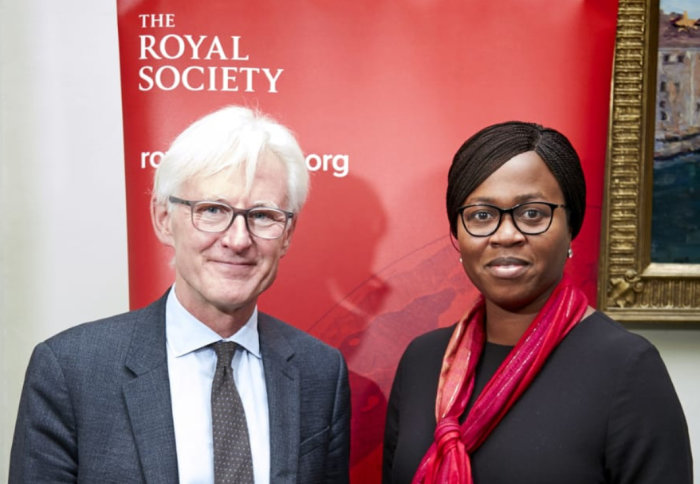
[{"x": 631, "y": 287}]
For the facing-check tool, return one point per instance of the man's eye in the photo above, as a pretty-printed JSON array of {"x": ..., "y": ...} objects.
[
  {"x": 210, "y": 210},
  {"x": 259, "y": 215},
  {"x": 266, "y": 216}
]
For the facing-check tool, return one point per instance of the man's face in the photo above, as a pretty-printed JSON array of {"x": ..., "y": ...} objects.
[{"x": 224, "y": 272}]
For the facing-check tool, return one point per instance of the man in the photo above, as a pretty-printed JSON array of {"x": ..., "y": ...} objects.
[{"x": 147, "y": 396}]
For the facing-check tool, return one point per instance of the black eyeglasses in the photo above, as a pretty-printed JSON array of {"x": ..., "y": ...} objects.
[
  {"x": 263, "y": 222},
  {"x": 531, "y": 218}
]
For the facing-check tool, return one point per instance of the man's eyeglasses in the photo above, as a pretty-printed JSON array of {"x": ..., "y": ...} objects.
[
  {"x": 263, "y": 222},
  {"x": 531, "y": 218}
]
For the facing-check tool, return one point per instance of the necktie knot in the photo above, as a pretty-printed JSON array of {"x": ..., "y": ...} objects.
[{"x": 224, "y": 353}]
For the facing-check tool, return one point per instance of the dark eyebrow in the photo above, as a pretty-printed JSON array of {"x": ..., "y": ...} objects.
[{"x": 527, "y": 197}]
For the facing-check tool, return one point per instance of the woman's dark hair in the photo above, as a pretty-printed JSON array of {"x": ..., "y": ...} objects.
[{"x": 486, "y": 151}]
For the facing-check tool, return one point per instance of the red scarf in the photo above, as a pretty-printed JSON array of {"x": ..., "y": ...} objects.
[{"x": 447, "y": 459}]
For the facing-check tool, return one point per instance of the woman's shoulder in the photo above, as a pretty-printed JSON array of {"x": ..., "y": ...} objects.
[
  {"x": 600, "y": 337},
  {"x": 428, "y": 345},
  {"x": 435, "y": 337},
  {"x": 605, "y": 330}
]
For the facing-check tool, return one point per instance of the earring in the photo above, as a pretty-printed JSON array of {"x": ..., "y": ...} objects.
[
  {"x": 460, "y": 261},
  {"x": 570, "y": 253}
]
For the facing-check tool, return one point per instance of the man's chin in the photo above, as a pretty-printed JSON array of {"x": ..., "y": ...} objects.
[{"x": 232, "y": 305}]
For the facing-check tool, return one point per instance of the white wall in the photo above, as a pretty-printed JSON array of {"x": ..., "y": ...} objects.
[
  {"x": 680, "y": 349},
  {"x": 62, "y": 215}
]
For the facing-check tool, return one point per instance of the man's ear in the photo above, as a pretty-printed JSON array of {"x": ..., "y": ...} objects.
[
  {"x": 160, "y": 217},
  {"x": 287, "y": 237}
]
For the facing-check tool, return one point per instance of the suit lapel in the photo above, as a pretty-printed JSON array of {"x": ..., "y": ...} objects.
[
  {"x": 148, "y": 397},
  {"x": 282, "y": 382}
]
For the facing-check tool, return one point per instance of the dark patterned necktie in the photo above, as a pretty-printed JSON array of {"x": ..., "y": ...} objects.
[{"x": 232, "y": 459}]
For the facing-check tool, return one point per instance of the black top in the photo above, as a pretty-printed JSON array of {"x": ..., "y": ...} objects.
[{"x": 601, "y": 410}]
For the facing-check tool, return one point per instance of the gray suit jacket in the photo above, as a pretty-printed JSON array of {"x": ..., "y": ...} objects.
[{"x": 95, "y": 405}]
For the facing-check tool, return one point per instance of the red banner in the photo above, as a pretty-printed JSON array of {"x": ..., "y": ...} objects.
[{"x": 381, "y": 94}]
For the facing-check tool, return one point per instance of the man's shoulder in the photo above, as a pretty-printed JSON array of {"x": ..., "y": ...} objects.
[
  {"x": 106, "y": 331},
  {"x": 271, "y": 327}
]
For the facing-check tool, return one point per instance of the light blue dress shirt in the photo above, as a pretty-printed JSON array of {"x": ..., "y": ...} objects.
[{"x": 191, "y": 366}]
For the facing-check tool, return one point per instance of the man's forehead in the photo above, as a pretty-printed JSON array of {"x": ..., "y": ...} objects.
[{"x": 267, "y": 184}]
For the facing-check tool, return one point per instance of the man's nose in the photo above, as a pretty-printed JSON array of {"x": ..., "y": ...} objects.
[{"x": 237, "y": 235}]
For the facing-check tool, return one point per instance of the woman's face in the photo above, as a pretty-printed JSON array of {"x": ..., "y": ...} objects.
[{"x": 514, "y": 271}]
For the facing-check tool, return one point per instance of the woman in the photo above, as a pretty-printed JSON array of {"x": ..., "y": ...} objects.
[{"x": 532, "y": 385}]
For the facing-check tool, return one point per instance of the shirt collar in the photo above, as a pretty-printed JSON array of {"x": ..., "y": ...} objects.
[{"x": 184, "y": 333}]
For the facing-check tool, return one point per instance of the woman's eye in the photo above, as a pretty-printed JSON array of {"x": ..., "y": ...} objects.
[{"x": 481, "y": 216}]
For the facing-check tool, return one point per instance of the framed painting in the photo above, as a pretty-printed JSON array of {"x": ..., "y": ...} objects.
[{"x": 650, "y": 239}]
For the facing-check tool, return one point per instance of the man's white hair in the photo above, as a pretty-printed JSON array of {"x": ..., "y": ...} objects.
[{"x": 224, "y": 139}]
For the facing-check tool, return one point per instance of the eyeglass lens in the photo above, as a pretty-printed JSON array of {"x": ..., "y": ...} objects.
[
  {"x": 268, "y": 223},
  {"x": 529, "y": 218}
]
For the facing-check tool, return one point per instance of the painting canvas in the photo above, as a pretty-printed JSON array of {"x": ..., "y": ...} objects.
[
  {"x": 649, "y": 267},
  {"x": 675, "y": 227}
]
